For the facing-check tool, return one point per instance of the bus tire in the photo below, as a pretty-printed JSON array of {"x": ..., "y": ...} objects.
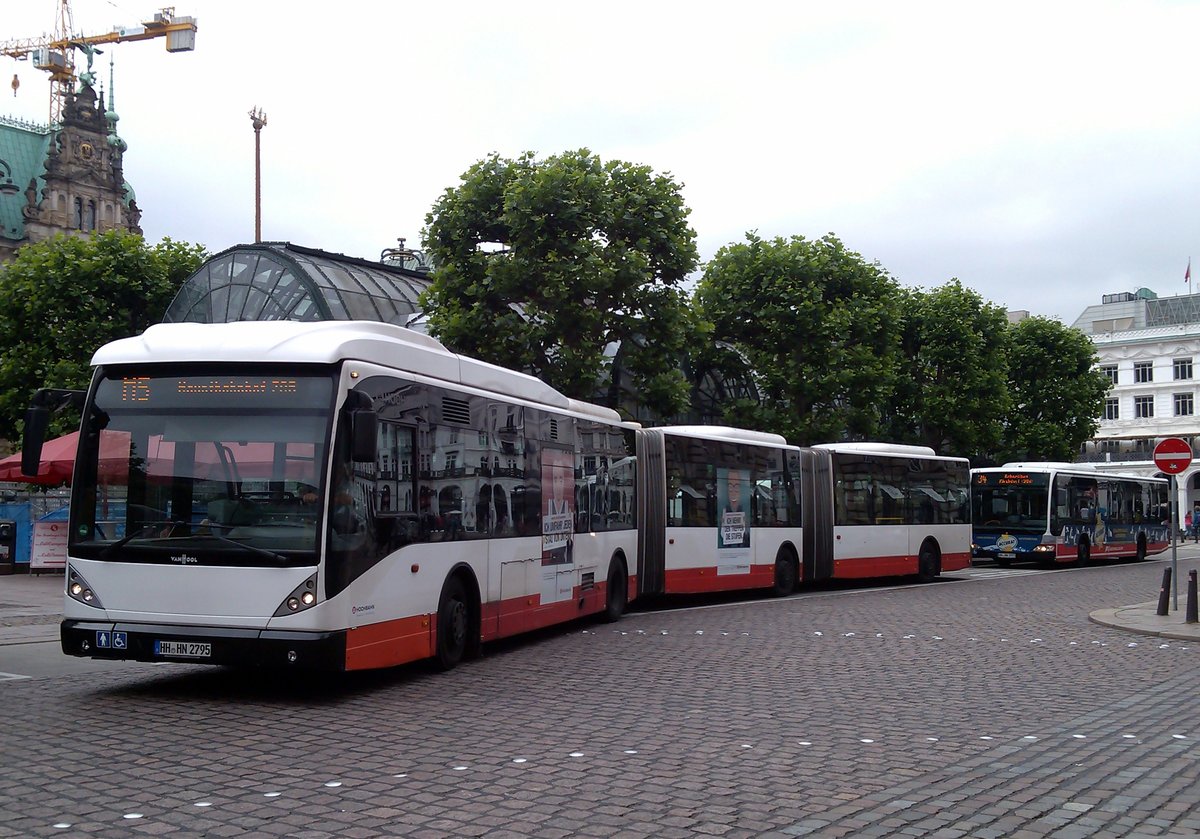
[
  {"x": 1141, "y": 549},
  {"x": 927, "y": 564},
  {"x": 787, "y": 574},
  {"x": 1083, "y": 553},
  {"x": 616, "y": 592},
  {"x": 453, "y": 625}
]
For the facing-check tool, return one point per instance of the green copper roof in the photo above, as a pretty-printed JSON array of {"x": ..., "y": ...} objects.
[{"x": 23, "y": 149}]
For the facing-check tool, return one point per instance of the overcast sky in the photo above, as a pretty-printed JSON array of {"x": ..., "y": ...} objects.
[{"x": 1044, "y": 153}]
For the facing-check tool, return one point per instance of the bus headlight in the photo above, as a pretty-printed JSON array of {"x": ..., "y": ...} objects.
[
  {"x": 301, "y": 598},
  {"x": 78, "y": 589}
]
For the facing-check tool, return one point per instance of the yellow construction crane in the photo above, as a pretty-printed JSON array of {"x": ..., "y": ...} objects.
[{"x": 56, "y": 53}]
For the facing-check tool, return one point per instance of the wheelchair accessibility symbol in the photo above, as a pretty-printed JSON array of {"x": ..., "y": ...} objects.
[{"x": 112, "y": 640}]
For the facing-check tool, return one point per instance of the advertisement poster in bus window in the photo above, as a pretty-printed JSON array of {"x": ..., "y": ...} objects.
[
  {"x": 733, "y": 525},
  {"x": 558, "y": 524}
]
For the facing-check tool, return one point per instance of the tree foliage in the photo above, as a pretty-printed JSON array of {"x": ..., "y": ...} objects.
[
  {"x": 1056, "y": 389},
  {"x": 61, "y": 299},
  {"x": 952, "y": 394},
  {"x": 584, "y": 253},
  {"x": 820, "y": 327}
]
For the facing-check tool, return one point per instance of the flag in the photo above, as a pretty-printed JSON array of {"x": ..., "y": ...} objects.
[{"x": 1187, "y": 275}]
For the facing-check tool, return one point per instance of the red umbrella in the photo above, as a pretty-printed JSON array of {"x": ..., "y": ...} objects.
[{"x": 58, "y": 459}]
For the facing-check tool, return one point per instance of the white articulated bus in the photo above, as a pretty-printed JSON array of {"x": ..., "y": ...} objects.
[
  {"x": 879, "y": 510},
  {"x": 341, "y": 494},
  {"x": 718, "y": 510},
  {"x": 722, "y": 509}
]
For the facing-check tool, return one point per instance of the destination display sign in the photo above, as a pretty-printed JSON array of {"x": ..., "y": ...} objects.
[
  {"x": 1011, "y": 479},
  {"x": 262, "y": 391}
]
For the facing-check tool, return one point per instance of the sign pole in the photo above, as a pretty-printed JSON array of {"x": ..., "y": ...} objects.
[
  {"x": 1172, "y": 456},
  {"x": 1174, "y": 545}
]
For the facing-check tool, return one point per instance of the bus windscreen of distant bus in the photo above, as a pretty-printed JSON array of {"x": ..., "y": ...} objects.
[
  {"x": 1016, "y": 501},
  {"x": 202, "y": 466}
]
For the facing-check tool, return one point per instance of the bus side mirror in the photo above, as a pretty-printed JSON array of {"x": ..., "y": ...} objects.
[
  {"x": 37, "y": 419},
  {"x": 364, "y": 430}
]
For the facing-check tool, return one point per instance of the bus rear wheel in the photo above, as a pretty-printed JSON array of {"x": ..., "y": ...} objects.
[
  {"x": 616, "y": 593},
  {"x": 453, "y": 623},
  {"x": 786, "y": 573},
  {"x": 927, "y": 564}
]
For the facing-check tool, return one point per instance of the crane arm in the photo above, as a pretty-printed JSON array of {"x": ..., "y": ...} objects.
[{"x": 163, "y": 25}]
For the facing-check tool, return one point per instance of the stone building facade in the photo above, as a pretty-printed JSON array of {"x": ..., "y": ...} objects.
[
  {"x": 1150, "y": 350},
  {"x": 65, "y": 179}
]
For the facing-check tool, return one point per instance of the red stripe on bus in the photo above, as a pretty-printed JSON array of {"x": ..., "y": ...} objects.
[
  {"x": 956, "y": 561},
  {"x": 389, "y": 643},
  {"x": 400, "y": 641},
  {"x": 875, "y": 566},
  {"x": 704, "y": 580}
]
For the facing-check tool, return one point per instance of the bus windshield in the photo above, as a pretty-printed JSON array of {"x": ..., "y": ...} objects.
[
  {"x": 202, "y": 466},
  {"x": 1012, "y": 502}
]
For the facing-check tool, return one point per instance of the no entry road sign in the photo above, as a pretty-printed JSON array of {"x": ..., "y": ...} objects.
[{"x": 1173, "y": 455}]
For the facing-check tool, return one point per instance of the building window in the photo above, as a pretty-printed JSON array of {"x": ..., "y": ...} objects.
[
  {"x": 1112, "y": 409},
  {"x": 1110, "y": 370},
  {"x": 1143, "y": 371},
  {"x": 1183, "y": 368},
  {"x": 1143, "y": 406},
  {"x": 1184, "y": 406}
]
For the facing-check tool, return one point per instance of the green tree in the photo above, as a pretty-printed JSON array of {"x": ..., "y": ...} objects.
[
  {"x": 953, "y": 393},
  {"x": 820, "y": 327},
  {"x": 542, "y": 264},
  {"x": 1056, "y": 389},
  {"x": 61, "y": 299}
]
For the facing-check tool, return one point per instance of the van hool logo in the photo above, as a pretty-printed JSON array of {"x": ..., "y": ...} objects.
[
  {"x": 358, "y": 610},
  {"x": 185, "y": 559}
]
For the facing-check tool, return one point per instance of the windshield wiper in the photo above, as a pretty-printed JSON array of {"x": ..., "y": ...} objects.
[
  {"x": 141, "y": 531},
  {"x": 254, "y": 549}
]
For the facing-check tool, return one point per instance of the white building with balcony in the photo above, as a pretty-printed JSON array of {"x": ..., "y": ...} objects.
[{"x": 1150, "y": 350}]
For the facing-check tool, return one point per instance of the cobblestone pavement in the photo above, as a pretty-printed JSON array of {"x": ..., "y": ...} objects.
[{"x": 984, "y": 707}]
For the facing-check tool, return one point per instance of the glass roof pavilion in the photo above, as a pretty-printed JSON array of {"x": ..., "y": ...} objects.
[{"x": 282, "y": 281}]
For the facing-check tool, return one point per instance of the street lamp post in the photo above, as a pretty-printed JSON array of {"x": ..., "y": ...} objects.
[{"x": 258, "y": 119}]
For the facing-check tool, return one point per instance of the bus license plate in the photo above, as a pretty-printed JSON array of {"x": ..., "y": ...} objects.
[
  {"x": 183, "y": 649},
  {"x": 1007, "y": 555}
]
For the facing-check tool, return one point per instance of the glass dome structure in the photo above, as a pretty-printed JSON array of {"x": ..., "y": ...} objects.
[{"x": 282, "y": 281}]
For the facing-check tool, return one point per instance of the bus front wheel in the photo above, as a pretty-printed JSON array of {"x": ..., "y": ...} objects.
[{"x": 453, "y": 623}]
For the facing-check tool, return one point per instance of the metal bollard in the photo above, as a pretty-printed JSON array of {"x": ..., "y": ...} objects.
[
  {"x": 1164, "y": 593},
  {"x": 1191, "y": 599}
]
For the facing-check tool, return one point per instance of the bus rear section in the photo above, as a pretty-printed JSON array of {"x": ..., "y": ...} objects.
[
  {"x": 884, "y": 510},
  {"x": 718, "y": 511}
]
